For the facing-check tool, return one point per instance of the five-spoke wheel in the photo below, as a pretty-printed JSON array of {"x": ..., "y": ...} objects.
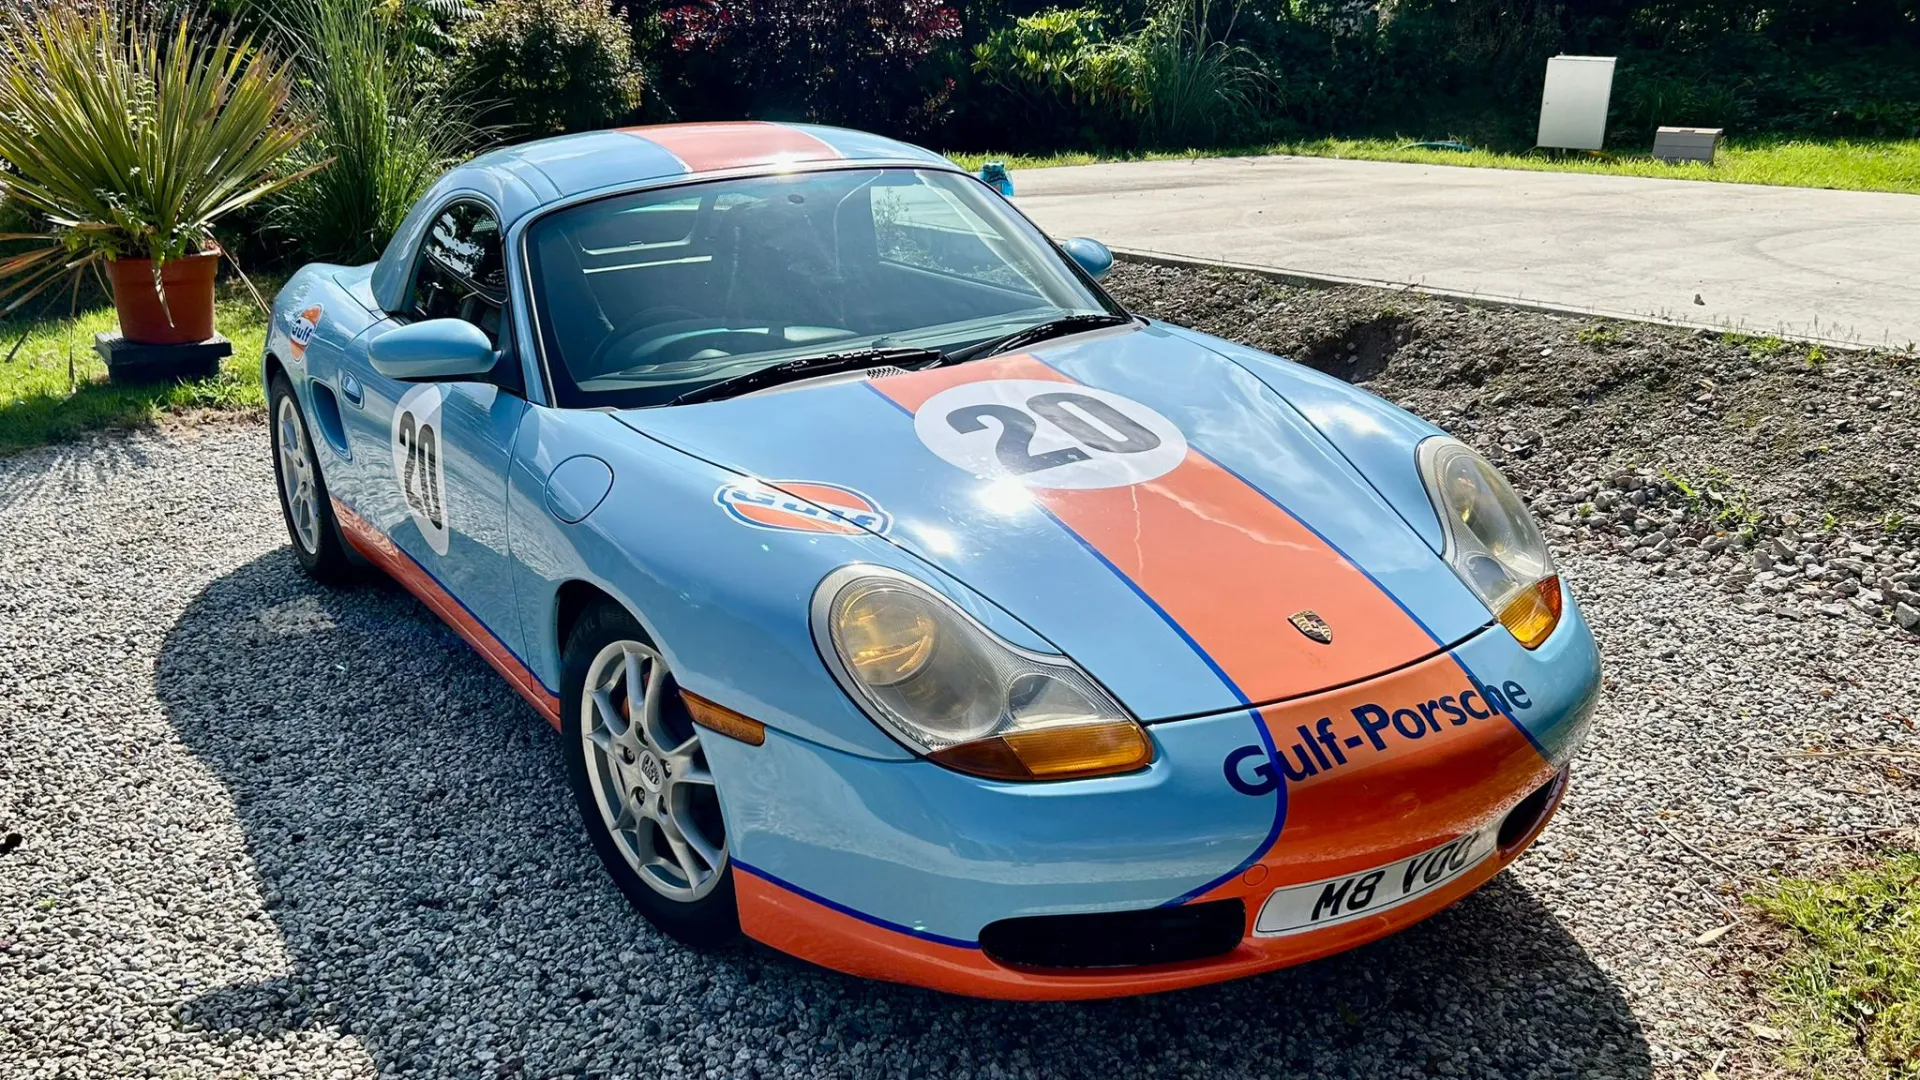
[
  {"x": 639, "y": 773},
  {"x": 303, "y": 490},
  {"x": 649, "y": 775}
]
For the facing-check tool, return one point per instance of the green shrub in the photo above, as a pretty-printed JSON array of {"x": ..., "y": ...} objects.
[
  {"x": 384, "y": 131},
  {"x": 1173, "y": 80},
  {"x": 549, "y": 66},
  {"x": 1047, "y": 74},
  {"x": 862, "y": 63}
]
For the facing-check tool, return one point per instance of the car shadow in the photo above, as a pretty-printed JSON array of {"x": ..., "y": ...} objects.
[{"x": 417, "y": 850}]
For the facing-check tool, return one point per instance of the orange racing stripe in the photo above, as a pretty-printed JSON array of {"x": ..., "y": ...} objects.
[
  {"x": 380, "y": 550},
  {"x": 1225, "y": 563},
  {"x": 713, "y": 147}
]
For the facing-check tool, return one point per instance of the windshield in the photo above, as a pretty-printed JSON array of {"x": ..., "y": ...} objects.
[{"x": 643, "y": 297}]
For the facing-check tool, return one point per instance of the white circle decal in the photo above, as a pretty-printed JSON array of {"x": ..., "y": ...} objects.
[
  {"x": 419, "y": 462},
  {"x": 1049, "y": 434}
]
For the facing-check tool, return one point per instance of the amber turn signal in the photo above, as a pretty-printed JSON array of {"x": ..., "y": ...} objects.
[
  {"x": 1532, "y": 615},
  {"x": 1067, "y": 752},
  {"x": 724, "y": 720}
]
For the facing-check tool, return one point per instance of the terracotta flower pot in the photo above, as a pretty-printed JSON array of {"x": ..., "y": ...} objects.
[{"x": 189, "y": 285}]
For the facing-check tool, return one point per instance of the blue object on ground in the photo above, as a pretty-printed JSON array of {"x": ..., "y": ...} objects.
[{"x": 994, "y": 175}]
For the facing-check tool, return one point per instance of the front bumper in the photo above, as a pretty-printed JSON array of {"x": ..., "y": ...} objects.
[{"x": 892, "y": 870}]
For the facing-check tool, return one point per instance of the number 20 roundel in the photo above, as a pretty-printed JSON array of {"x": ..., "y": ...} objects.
[
  {"x": 419, "y": 462},
  {"x": 1049, "y": 434}
]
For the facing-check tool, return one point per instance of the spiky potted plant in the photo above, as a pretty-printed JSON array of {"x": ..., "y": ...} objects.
[{"x": 128, "y": 143}]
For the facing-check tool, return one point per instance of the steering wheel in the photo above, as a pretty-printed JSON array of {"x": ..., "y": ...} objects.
[{"x": 633, "y": 325}]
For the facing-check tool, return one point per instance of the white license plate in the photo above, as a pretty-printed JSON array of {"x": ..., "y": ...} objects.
[{"x": 1298, "y": 908}]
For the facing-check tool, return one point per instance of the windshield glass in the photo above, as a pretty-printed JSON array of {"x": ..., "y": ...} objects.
[{"x": 642, "y": 297}]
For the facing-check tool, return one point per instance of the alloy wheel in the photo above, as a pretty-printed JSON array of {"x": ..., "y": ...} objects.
[{"x": 649, "y": 773}]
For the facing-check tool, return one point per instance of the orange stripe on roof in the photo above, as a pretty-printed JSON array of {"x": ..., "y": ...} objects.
[
  {"x": 1221, "y": 559},
  {"x": 380, "y": 550},
  {"x": 714, "y": 147}
]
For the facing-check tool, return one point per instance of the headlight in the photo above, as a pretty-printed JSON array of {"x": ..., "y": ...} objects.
[
  {"x": 955, "y": 692},
  {"x": 1492, "y": 541}
]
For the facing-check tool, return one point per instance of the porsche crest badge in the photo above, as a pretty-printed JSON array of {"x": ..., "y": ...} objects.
[{"x": 1312, "y": 625}]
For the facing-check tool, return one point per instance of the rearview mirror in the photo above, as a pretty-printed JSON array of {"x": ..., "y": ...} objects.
[
  {"x": 434, "y": 349},
  {"x": 1092, "y": 255}
]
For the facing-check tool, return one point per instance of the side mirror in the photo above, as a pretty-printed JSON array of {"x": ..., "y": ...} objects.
[
  {"x": 434, "y": 349},
  {"x": 1092, "y": 255}
]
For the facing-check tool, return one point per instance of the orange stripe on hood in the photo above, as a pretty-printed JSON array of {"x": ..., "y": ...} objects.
[
  {"x": 1228, "y": 566},
  {"x": 1223, "y": 561}
]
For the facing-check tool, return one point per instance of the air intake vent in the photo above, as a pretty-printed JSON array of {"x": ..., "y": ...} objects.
[
  {"x": 887, "y": 372},
  {"x": 1117, "y": 938}
]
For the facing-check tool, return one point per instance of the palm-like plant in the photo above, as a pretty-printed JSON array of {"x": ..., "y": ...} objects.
[{"x": 127, "y": 142}]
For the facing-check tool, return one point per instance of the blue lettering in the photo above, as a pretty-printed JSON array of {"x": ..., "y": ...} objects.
[
  {"x": 1517, "y": 694},
  {"x": 1306, "y": 739},
  {"x": 1494, "y": 700},
  {"x": 1455, "y": 716},
  {"x": 1324, "y": 732},
  {"x": 1412, "y": 728},
  {"x": 1466, "y": 702},
  {"x": 1306, "y": 768},
  {"x": 1373, "y": 720},
  {"x": 1264, "y": 779}
]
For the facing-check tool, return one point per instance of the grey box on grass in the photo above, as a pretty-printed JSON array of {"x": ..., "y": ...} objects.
[{"x": 1687, "y": 143}]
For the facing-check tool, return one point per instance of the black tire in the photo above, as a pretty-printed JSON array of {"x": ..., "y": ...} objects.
[
  {"x": 323, "y": 556},
  {"x": 704, "y": 921}
]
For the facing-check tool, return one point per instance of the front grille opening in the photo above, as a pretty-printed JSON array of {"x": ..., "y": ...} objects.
[
  {"x": 1524, "y": 818},
  {"x": 1111, "y": 939}
]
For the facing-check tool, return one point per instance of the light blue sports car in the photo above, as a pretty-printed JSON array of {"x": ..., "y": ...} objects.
[{"x": 901, "y": 600}]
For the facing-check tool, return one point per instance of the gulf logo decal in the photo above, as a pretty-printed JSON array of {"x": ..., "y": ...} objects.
[
  {"x": 301, "y": 331},
  {"x": 803, "y": 506},
  {"x": 712, "y": 147}
]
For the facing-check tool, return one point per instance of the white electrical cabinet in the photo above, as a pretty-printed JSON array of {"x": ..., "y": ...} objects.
[{"x": 1573, "y": 108}]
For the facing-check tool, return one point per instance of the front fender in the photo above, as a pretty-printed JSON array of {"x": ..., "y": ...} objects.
[{"x": 728, "y": 604}]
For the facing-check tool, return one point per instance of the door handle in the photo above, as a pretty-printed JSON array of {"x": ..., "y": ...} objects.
[{"x": 350, "y": 389}]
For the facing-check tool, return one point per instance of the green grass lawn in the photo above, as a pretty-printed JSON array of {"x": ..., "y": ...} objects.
[
  {"x": 1848, "y": 992},
  {"x": 1864, "y": 165},
  {"x": 36, "y": 406}
]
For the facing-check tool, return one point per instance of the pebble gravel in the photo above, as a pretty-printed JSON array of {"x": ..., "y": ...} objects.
[{"x": 251, "y": 826}]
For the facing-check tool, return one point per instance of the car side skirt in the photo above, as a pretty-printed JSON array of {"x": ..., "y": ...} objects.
[{"x": 376, "y": 548}]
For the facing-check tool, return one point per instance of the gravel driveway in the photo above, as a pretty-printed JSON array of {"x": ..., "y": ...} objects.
[{"x": 272, "y": 829}]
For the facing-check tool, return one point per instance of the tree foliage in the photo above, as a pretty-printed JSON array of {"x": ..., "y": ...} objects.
[
  {"x": 543, "y": 67},
  {"x": 857, "y": 62}
]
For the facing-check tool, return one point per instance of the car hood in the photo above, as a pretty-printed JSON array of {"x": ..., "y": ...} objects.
[{"x": 1145, "y": 504}]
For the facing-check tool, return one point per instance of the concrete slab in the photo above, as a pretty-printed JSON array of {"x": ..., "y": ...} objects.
[{"x": 1827, "y": 265}]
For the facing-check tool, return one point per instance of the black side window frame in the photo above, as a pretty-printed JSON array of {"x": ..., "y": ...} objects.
[{"x": 506, "y": 372}]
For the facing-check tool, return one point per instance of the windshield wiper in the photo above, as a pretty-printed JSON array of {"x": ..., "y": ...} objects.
[
  {"x": 1032, "y": 335},
  {"x": 806, "y": 367}
]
